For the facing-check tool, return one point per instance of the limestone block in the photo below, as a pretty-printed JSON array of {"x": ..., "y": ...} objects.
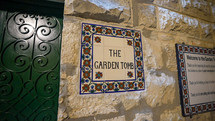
[
  {"x": 173, "y": 115},
  {"x": 202, "y": 117},
  {"x": 144, "y": 1},
  {"x": 208, "y": 44},
  {"x": 91, "y": 105},
  {"x": 213, "y": 33},
  {"x": 161, "y": 89},
  {"x": 213, "y": 10},
  {"x": 143, "y": 117},
  {"x": 172, "y": 4},
  {"x": 62, "y": 95},
  {"x": 150, "y": 34},
  {"x": 198, "y": 8},
  {"x": 109, "y": 10},
  {"x": 193, "y": 41},
  {"x": 213, "y": 115},
  {"x": 180, "y": 38},
  {"x": 172, "y": 21},
  {"x": 120, "y": 118},
  {"x": 80, "y": 106},
  {"x": 62, "y": 75},
  {"x": 147, "y": 15},
  {"x": 88, "y": 105},
  {"x": 131, "y": 100},
  {"x": 61, "y": 114},
  {"x": 152, "y": 54},
  {"x": 163, "y": 36},
  {"x": 169, "y": 55},
  {"x": 71, "y": 43},
  {"x": 206, "y": 31},
  {"x": 83, "y": 106}
]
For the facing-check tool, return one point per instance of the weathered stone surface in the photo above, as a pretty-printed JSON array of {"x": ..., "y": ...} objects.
[
  {"x": 144, "y": 1},
  {"x": 169, "y": 55},
  {"x": 88, "y": 105},
  {"x": 197, "y": 8},
  {"x": 71, "y": 43},
  {"x": 131, "y": 100},
  {"x": 182, "y": 38},
  {"x": 213, "y": 116},
  {"x": 172, "y": 115},
  {"x": 213, "y": 32},
  {"x": 206, "y": 31},
  {"x": 147, "y": 15},
  {"x": 161, "y": 89},
  {"x": 152, "y": 54},
  {"x": 202, "y": 117},
  {"x": 69, "y": 62},
  {"x": 120, "y": 118},
  {"x": 110, "y": 10},
  {"x": 172, "y": 4},
  {"x": 208, "y": 44},
  {"x": 103, "y": 104},
  {"x": 150, "y": 34},
  {"x": 62, "y": 101},
  {"x": 172, "y": 21},
  {"x": 193, "y": 41},
  {"x": 163, "y": 36},
  {"x": 91, "y": 105},
  {"x": 213, "y": 10},
  {"x": 61, "y": 114},
  {"x": 143, "y": 117}
]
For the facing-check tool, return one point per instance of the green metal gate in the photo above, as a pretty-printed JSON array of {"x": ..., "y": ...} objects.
[{"x": 29, "y": 66}]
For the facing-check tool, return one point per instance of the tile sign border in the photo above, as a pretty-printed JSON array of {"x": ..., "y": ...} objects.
[
  {"x": 87, "y": 85},
  {"x": 187, "y": 109}
]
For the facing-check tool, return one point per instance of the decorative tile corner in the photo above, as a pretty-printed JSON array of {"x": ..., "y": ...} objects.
[
  {"x": 130, "y": 74},
  {"x": 98, "y": 39},
  {"x": 130, "y": 43},
  {"x": 99, "y": 75}
]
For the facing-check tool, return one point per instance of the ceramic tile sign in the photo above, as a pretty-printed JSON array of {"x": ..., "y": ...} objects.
[
  {"x": 111, "y": 60},
  {"x": 196, "y": 71}
]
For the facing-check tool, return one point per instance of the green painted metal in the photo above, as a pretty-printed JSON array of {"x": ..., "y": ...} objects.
[{"x": 29, "y": 66}]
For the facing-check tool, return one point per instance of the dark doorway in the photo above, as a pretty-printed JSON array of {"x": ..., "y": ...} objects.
[{"x": 30, "y": 41}]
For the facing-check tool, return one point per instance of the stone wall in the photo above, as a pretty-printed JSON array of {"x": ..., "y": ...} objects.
[{"x": 162, "y": 23}]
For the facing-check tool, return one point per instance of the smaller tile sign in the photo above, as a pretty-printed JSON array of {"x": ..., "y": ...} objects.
[
  {"x": 196, "y": 72},
  {"x": 111, "y": 60}
]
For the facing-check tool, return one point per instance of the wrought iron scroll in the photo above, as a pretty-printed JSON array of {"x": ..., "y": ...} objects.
[{"x": 29, "y": 68}]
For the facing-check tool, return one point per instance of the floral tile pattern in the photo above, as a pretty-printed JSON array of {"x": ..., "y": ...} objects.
[
  {"x": 189, "y": 109},
  {"x": 91, "y": 34},
  {"x": 130, "y": 42}
]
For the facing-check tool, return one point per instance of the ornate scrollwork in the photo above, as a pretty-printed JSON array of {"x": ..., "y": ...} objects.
[
  {"x": 44, "y": 62},
  {"x": 21, "y": 60},
  {"x": 9, "y": 89},
  {"x": 29, "y": 54},
  {"x": 5, "y": 89},
  {"x": 48, "y": 29},
  {"x": 40, "y": 61},
  {"x": 28, "y": 30},
  {"x": 52, "y": 76},
  {"x": 21, "y": 45},
  {"x": 17, "y": 62},
  {"x": 49, "y": 88},
  {"x": 44, "y": 47},
  {"x": 5, "y": 76},
  {"x": 45, "y": 87},
  {"x": 21, "y": 26}
]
